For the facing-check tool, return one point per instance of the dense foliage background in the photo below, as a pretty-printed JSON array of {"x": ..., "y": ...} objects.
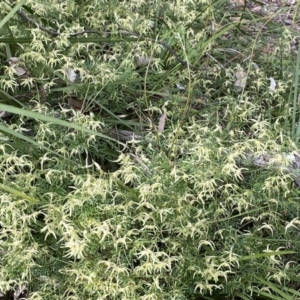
[{"x": 149, "y": 150}]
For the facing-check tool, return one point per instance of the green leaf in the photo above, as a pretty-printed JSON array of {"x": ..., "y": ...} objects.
[
  {"x": 267, "y": 295},
  {"x": 53, "y": 120},
  {"x": 275, "y": 289},
  {"x": 14, "y": 133},
  {"x": 17, "y": 193},
  {"x": 242, "y": 296},
  {"x": 11, "y": 13},
  {"x": 266, "y": 254}
]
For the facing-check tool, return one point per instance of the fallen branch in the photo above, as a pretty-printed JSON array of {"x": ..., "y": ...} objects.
[{"x": 291, "y": 167}]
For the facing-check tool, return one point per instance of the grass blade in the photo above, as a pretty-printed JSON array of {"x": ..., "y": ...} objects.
[
  {"x": 19, "y": 135},
  {"x": 266, "y": 254},
  {"x": 295, "y": 102},
  {"x": 17, "y": 193},
  {"x": 270, "y": 296},
  {"x": 275, "y": 289},
  {"x": 53, "y": 120},
  {"x": 11, "y": 13}
]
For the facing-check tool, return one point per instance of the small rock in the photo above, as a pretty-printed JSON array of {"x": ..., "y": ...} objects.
[{"x": 290, "y": 2}]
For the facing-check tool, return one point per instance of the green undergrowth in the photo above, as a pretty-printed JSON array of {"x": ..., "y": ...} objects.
[{"x": 130, "y": 152}]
